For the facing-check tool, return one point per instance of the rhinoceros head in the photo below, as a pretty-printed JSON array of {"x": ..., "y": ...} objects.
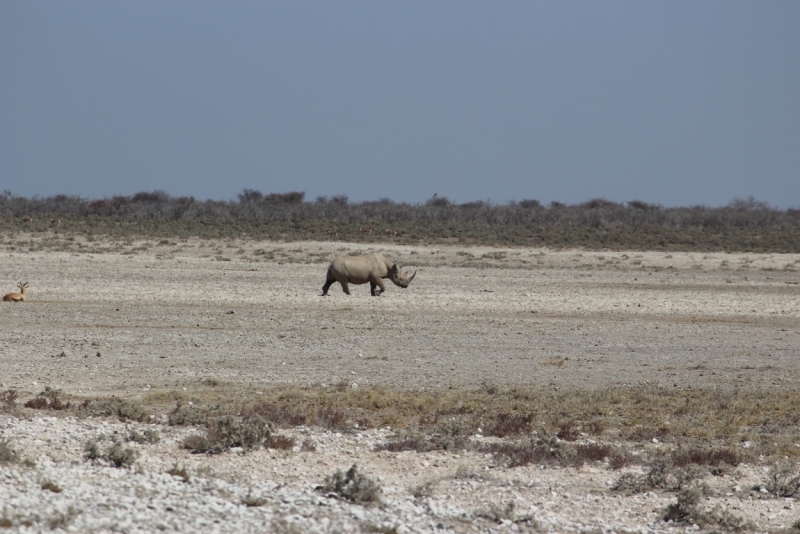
[{"x": 400, "y": 278}]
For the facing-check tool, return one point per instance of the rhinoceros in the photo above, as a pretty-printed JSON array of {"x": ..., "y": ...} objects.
[{"x": 362, "y": 269}]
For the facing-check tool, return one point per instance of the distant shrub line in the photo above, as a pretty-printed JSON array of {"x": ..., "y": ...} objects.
[{"x": 743, "y": 225}]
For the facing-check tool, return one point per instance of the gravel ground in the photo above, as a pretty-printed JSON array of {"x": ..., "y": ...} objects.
[
  {"x": 467, "y": 492},
  {"x": 108, "y": 317}
]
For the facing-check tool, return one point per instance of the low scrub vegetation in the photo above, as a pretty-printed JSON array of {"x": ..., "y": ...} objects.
[
  {"x": 117, "y": 454},
  {"x": 353, "y": 486},
  {"x": 49, "y": 399},
  {"x": 687, "y": 509},
  {"x": 8, "y": 453},
  {"x": 743, "y": 225}
]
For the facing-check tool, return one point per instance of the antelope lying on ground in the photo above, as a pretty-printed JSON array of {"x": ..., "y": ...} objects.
[
  {"x": 26, "y": 219},
  {"x": 55, "y": 222},
  {"x": 17, "y": 297},
  {"x": 390, "y": 232},
  {"x": 332, "y": 233},
  {"x": 365, "y": 230}
]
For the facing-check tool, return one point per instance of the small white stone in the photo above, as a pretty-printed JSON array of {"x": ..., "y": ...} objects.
[{"x": 655, "y": 440}]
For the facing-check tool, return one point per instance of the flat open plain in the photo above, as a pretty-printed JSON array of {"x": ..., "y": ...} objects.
[
  {"x": 132, "y": 318},
  {"x": 250, "y": 313}
]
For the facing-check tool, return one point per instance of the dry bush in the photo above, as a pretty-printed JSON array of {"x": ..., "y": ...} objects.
[
  {"x": 229, "y": 431},
  {"x": 501, "y": 515},
  {"x": 279, "y": 414},
  {"x": 619, "y": 460},
  {"x": 510, "y": 424},
  {"x": 122, "y": 409},
  {"x": 526, "y": 452},
  {"x": 592, "y": 452},
  {"x": 595, "y": 427},
  {"x": 687, "y": 510},
  {"x": 661, "y": 475},
  {"x": 276, "y": 441},
  {"x": 331, "y": 418},
  {"x": 150, "y": 436},
  {"x": 352, "y": 486},
  {"x": 91, "y": 451},
  {"x": 439, "y": 441},
  {"x": 710, "y": 457},
  {"x": 179, "y": 471},
  {"x": 49, "y": 399},
  {"x": 7, "y": 452},
  {"x": 183, "y": 415},
  {"x": 36, "y": 403},
  {"x": 569, "y": 431},
  {"x": 195, "y": 442},
  {"x": 424, "y": 490},
  {"x": 118, "y": 455},
  {"x": 783, "y": 479},
  {"x": 8, "y": 401}
]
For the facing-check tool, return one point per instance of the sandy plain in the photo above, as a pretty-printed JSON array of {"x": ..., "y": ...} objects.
[
  {"x": 171, "y": 314},
  {"x": 136, "y": 316}
]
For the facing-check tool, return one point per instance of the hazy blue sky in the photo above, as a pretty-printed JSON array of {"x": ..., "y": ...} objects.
[{"x": 672, "y": 102}]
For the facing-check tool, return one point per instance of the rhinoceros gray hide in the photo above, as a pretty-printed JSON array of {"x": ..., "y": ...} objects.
[{"x": 372, "y": 268}]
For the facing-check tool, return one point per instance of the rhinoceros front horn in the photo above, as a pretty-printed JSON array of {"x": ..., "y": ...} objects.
[{"x": 412, "y": 277}]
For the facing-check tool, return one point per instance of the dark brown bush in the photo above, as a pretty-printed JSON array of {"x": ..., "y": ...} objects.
[
  {"x": 712, "y": 457},
  {"x": 619, "y": 460},
  {"x": 569, "y": 431},
  {"x": 331, "y": 418},
  {"x": 522, "y": 454},
  {"x": 592, "y": 452},
  {"x": 276, "y": 441},
  {"x": 510, "y": 424},
  {"x": 37, "y": 403},
  {"x": 47, "y": 399}
]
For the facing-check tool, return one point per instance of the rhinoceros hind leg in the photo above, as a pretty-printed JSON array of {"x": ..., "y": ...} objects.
[{"x": 328, "y": 281}]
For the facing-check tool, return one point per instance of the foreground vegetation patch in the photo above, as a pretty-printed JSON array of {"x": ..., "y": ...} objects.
[{"x": 711, "y": 426}]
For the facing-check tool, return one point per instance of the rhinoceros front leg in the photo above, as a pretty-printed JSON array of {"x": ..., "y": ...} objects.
[
  {"x": 373, "y": 282},
  {"x": 345, "y": 287}
]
